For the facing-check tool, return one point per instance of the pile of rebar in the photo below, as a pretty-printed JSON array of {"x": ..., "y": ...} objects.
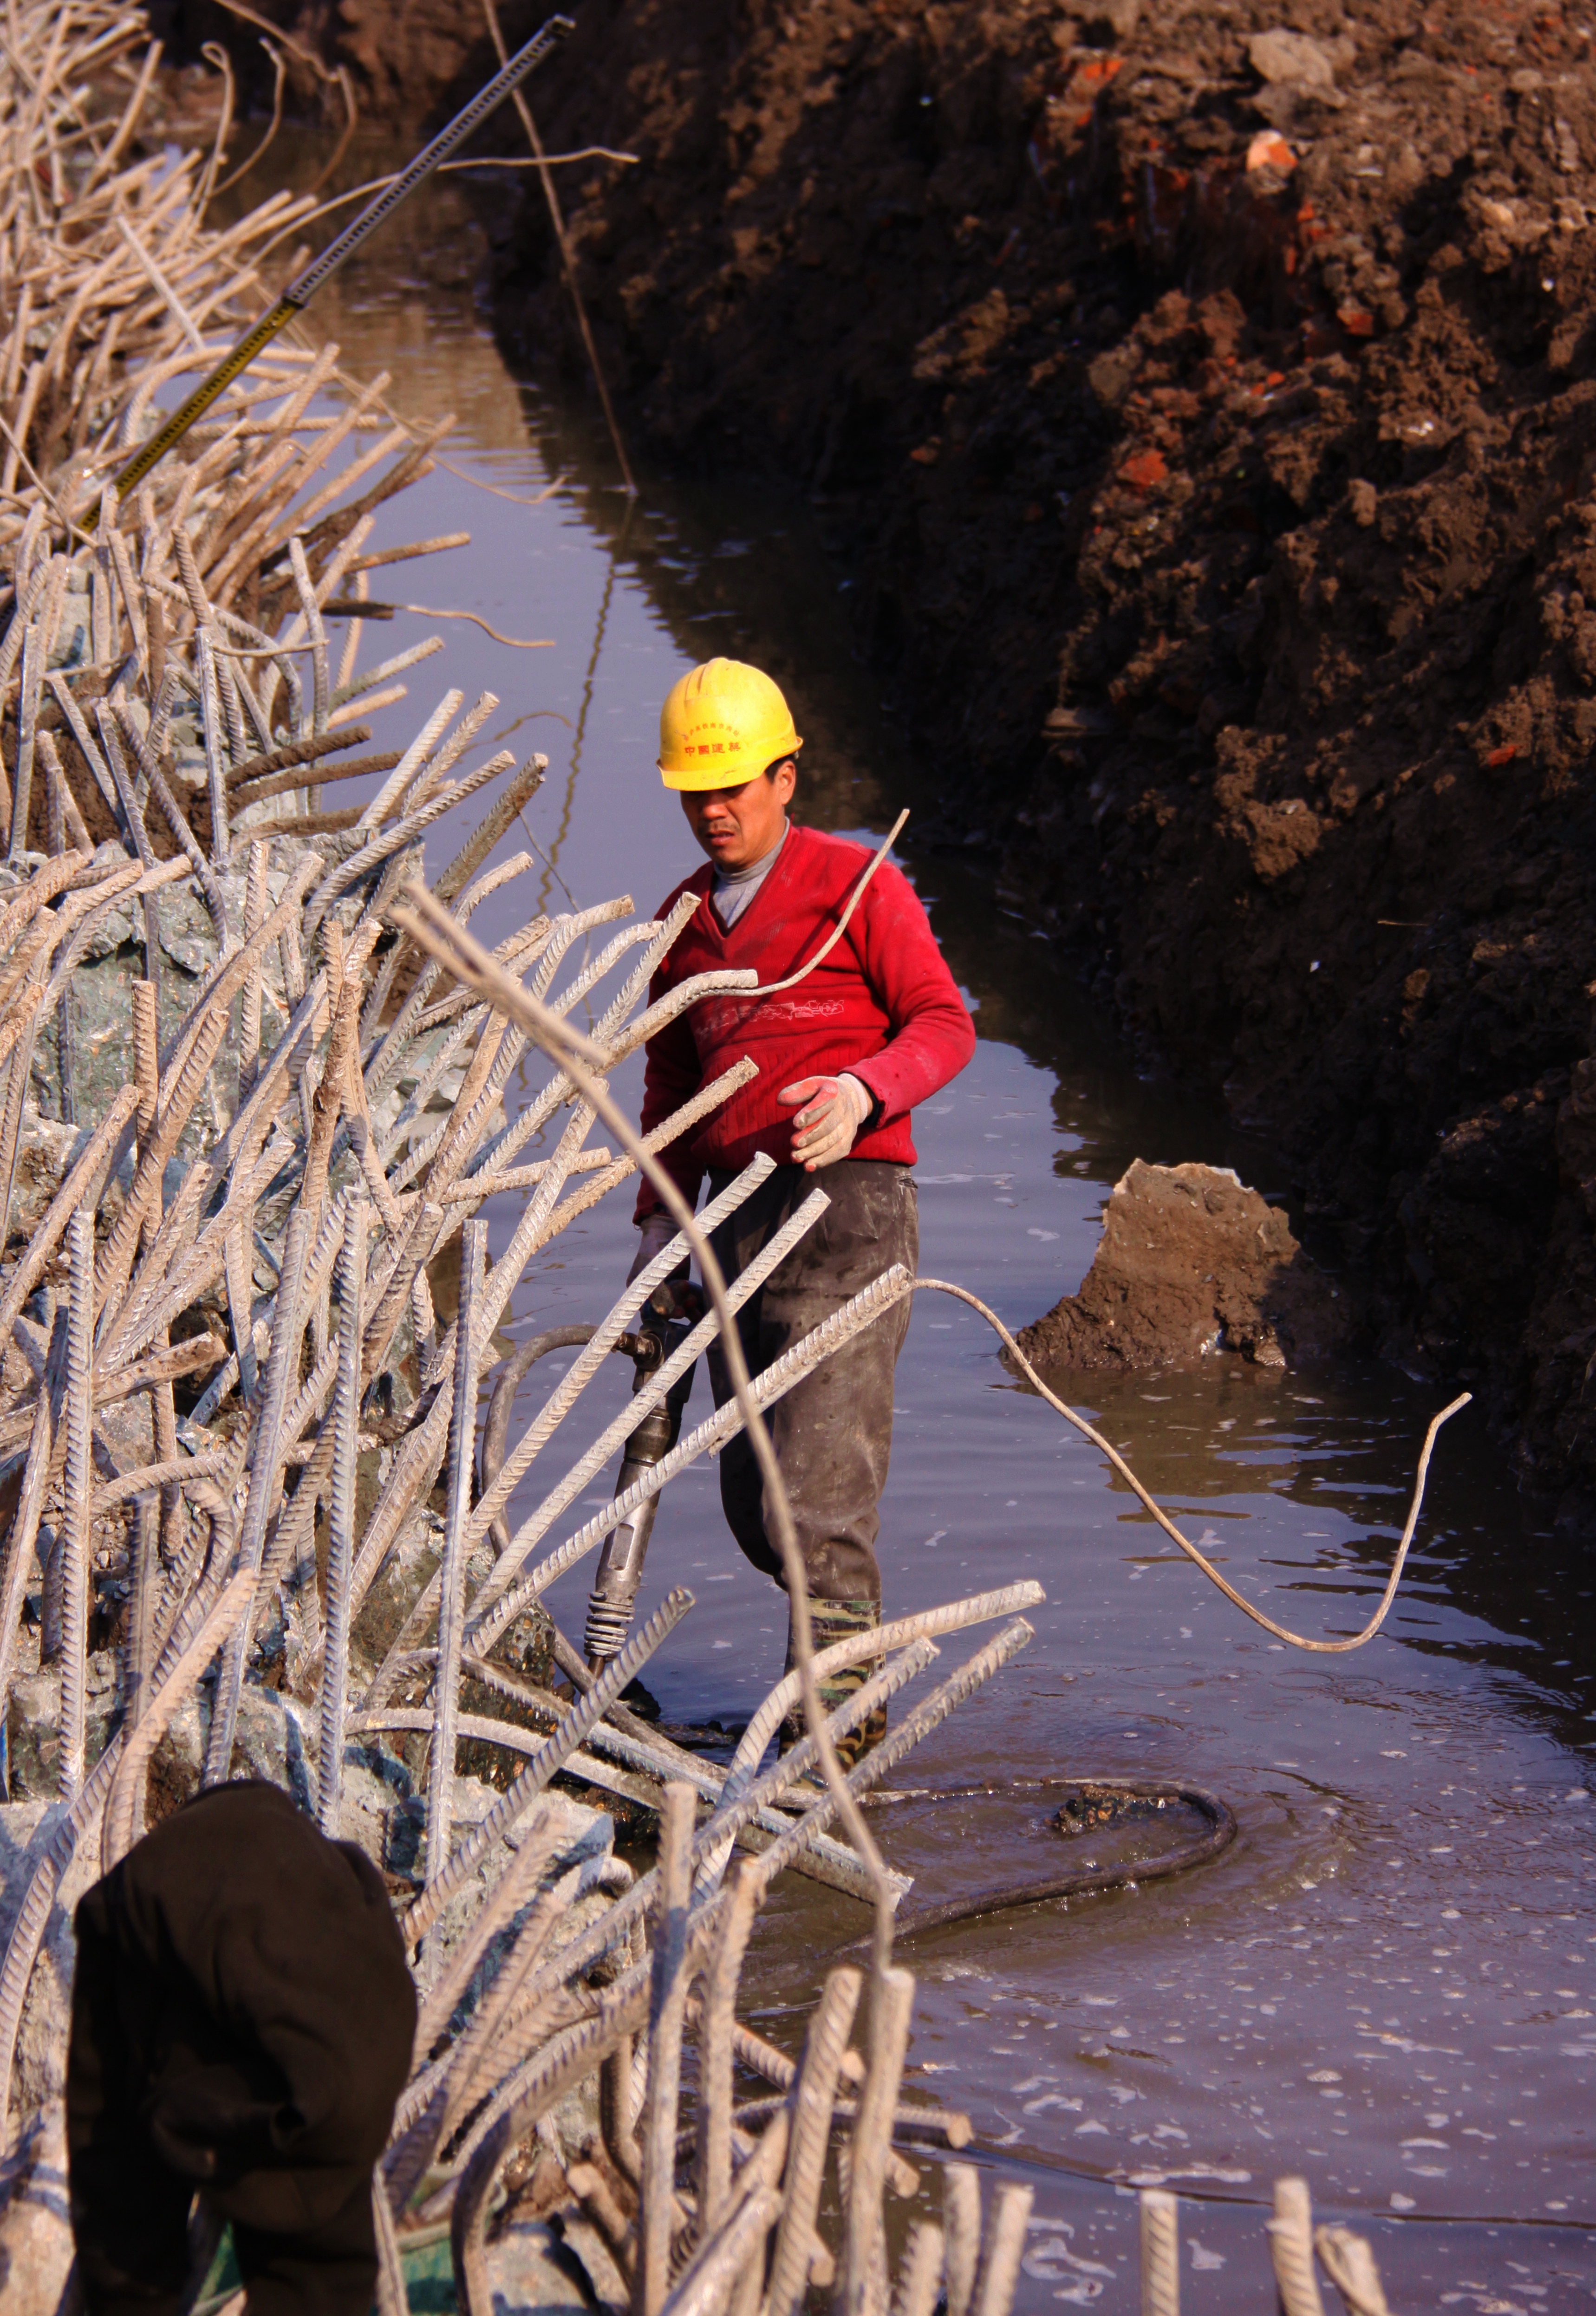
[{"x": 225, "y": 1310}]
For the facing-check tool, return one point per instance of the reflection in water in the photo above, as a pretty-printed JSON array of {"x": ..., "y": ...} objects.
[
  {"x": 1387, "y": 1981},
  {"x": 568, "y": 799}
]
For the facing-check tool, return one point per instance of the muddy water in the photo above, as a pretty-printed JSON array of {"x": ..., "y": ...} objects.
[{"x": 1389, "y": 1980}]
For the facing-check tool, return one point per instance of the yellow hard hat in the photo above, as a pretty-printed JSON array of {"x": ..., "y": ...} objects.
[{"x": 722, "y": 725}]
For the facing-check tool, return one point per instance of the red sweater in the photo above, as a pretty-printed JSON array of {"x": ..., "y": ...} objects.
[{"x": 882, "y": 1006}]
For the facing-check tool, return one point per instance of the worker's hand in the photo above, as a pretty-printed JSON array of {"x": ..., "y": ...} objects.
[
  {"x": 834, "y": 1108},
  {"x": 655, "y": 1233}
]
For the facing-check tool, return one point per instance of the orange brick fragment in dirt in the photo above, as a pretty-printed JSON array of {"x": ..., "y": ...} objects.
[
  {"x": 1502, "y": 755},
  {"x": 1356, "y": 322},
  {"x": 1270, "y": 150},
  {"x": 1143, "y": 469}
]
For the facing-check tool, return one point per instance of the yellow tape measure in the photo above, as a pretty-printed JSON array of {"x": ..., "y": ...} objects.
[
  {"x": 150, "y": 454},
  {"x": 301, "y": 292}
]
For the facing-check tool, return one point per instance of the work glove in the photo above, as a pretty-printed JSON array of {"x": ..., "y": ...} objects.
[
  {"x": 824, "y": 1129},
  {"x": 655, "y": 1233}
]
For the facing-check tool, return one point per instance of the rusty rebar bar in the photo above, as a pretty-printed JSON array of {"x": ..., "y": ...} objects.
[
  {"x": 286, "y": 1327},
  {"x": 864, "y": 2281},
  {"x": 666, "y": 2011},
  {"x": 451, "y": 1613},
  {"x": 813, "y": 2096},
  {"x": 340, "y": 1519},
  {"x": 77, "y": 1485},
  {"x": 715, "y": 2049}
]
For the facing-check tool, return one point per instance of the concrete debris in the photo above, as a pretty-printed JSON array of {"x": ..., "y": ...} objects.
[{"x": 35, "y": 2229}]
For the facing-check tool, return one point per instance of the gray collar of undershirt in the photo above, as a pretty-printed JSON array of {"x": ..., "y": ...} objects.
[
  {"x": 733, "y": 888},
  {"x": 754, "y": 870}
]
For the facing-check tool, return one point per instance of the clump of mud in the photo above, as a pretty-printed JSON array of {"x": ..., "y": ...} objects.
[{"x": 1192, "y": 1265}]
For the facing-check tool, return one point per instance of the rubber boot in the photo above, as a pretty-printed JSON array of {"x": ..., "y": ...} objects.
[{"x": 831, "y": 1621}]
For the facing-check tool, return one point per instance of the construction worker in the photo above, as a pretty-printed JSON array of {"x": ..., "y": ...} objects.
[{"x": 843, "y": 1058}]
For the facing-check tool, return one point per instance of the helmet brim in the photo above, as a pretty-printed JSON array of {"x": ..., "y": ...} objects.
[{"x": 726, "y": 772}]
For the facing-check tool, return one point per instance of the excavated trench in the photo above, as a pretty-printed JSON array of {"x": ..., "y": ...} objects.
[
  {"x": 1198, "y": 400},
  {"x": 1197, "y": 403},
  {"x": 1384, "y": 1980}
]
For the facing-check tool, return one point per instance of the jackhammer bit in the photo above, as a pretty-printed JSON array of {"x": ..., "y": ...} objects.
[{"x": 664, "y": 1321}]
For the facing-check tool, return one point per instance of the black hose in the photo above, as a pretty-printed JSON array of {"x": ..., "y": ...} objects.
[
  {"x": 508, "y": 1378},
  {"x": 1220, "y": 1834}
]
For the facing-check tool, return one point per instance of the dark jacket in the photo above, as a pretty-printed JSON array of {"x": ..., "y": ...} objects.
[{"x": 242, "y": 2009}]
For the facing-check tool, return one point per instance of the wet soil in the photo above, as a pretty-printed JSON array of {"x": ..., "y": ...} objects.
[
  {"x": 1192, "y": 1265},
  {"x": 1206, "y": 423}
]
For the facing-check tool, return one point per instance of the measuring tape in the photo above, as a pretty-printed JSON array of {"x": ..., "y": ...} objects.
[{"x": 304, "y": 286}]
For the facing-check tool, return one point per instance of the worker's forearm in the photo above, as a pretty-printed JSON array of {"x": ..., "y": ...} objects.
[
  {"x": 930, "y": 1050},
  {"x": 687, "y": 1173},
  {"x": 672, "y": 1074}
]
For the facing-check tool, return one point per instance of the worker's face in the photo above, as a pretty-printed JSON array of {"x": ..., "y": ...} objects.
[{"x": 737, "y": 826}]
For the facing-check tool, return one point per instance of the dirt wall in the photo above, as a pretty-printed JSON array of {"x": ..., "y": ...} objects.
[{"x": 410, "y": 63}]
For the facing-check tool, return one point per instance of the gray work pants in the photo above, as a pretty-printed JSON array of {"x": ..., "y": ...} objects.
[{"x": 833, "y": 1432}]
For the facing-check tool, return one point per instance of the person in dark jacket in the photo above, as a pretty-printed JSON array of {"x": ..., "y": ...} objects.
[
  {"x": 843, "y": 1058},
  {"x": 242, "y": 2023}
]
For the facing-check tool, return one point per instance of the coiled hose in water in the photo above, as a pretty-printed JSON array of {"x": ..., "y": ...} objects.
[{"x": 1089, "y": 1879}]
